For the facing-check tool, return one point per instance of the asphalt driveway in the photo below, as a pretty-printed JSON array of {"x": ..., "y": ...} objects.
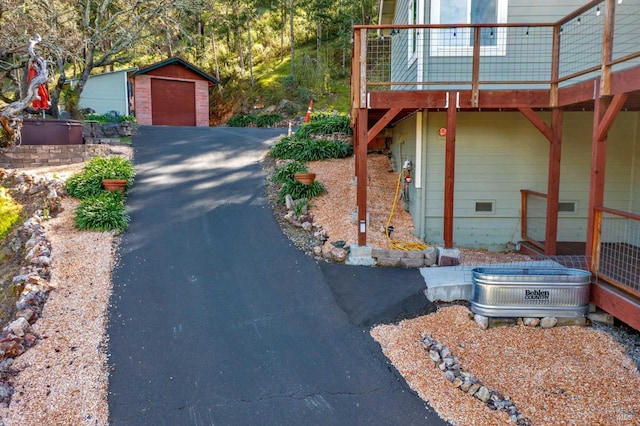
[{"x": 217, "y": 319}]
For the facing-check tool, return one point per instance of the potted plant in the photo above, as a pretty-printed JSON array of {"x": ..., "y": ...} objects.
[
  {"x": 305, "y": 178},
  {"x": 99, "y": 173}
]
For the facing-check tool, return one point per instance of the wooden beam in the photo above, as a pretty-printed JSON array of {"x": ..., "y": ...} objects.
[
  {"x": 506, "y": 99},
  {"x": 382, "y": 123},
  {"x": 362, "y": 96},
  {"x": 555, "y": 66},
  {"x": 539, "y": 124},
  {"x": 577, "y": 93},
  {"x": 607, "y": 47},
  {"x": 475, "y": 68},
  {"x": 553, "y": 184},
  {"x": 623, "y": 306},
  {"x": 597, "y": 174},
  {"x": 449, "y": 172},
  {"x": 361, "y": 174},
  {"x": 610, "y": 115},
  {"x": 625, "y": 81},
  {"x": 417, "y": 99}
]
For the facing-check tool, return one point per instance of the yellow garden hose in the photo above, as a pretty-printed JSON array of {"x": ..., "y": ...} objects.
[{"x": 401, "y": 245}]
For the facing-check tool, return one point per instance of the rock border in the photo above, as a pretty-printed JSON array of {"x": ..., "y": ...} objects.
[
  {"x": 33, "y": 281},
  {"x": 449, "y": 364}
]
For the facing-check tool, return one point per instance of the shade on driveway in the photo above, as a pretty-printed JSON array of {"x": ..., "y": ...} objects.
[{"x": 217, "y": 319}]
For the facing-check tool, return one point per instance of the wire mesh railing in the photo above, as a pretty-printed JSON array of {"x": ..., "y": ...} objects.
[
  {"x": 534, "y": 217},
  {"x": 616, "y": 256},
  {"x": 500, "y": 55}
]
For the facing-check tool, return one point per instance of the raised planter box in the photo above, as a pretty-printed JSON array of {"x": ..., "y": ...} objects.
[
  {"x": 530, "y": 292},
  {"x": 37, "y": 131}
]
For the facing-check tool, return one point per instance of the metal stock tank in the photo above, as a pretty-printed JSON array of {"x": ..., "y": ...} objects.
[{"x": 530, "y": 292}]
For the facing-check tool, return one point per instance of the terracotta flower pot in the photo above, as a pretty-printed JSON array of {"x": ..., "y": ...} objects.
[
  {"x": 114, "y": 184},
  {"x": 306, "y": 178}
]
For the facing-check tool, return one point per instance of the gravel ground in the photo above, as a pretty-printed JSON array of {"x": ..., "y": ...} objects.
[
  {"x": 562, "y": 375},
  {"x": 63, "y": 379}
]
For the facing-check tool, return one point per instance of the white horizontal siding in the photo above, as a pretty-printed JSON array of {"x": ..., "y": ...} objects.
[{"x": 498, "y": 154}]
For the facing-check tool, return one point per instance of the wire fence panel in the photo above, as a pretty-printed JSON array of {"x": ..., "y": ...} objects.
[
  {"x": 500, "y": 56},
  {"x": 536, "y": 217},
  {"x": 619, "y": 250}
]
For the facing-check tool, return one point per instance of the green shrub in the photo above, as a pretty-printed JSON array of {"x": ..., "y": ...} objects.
[
  {"x": 240, "y": 120},
  {"x": 285, "y": 173},
  {"x": 259, "y": 120},
  {"x": 267, "y": 120},
  {"x": 9, "y": 212},
  {"x": 88, "y": 183},
  {"x": 304, "y": 149},
  {"x": 323, "y": 124},
  {"x": 102, "y": 213},
  {"x": 83, "y": 185},
  {"x": 299, "y": 190},
  {"x": 111, "y": 168}
]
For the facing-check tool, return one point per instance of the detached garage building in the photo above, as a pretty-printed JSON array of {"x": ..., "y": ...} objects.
[{"x": 172, "y": 93}]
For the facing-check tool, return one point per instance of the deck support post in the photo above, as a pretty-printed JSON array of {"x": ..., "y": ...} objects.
[
  {"x": 553, "y": 183},
  {"x": 449, "y": 171},
  {"x": 360, "y": 150}
]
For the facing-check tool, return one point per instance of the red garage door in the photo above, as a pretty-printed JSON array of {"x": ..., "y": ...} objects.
[{"x": 173, "y": 103}]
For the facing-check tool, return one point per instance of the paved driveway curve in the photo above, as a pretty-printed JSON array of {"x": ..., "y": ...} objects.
[{"x": 217, "y": 319}]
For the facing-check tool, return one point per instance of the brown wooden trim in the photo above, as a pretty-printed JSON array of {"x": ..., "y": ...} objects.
[
  {"x": 577, "y": 93},
  {"x": 625, "y": 81},
  {"x": 523, "y": 213},
  {"x": 445, "y": 26},
  {"x": 475, "y": 68},
  {"x": 621, "y": 213},
  {"x": 382, "y": 123},
  {"x": 579, "y": 12},
  {"x": 449, "y": 171},
  {"x": 408, "y": 99},
  {"x": 553, "y": 183},
  {"x": 598, "y": 166},
  {"x": 607, "y": 47},
  {"x": 361, "y": 174},
  {"x": 534, "y": 242},
  {"x": 362, "y": 100},
  {"x": 539, "y": 124},
  {"x": 618, "y": 284},
  {"x": 597, "y": 239},
  {"x": 610, "y": 115},
  {"x": 506, "y": 99},
  {"x": 536, "y": 193},
  {"x": 579, "y": 73},
  {"x": 555, "y": 67},
  {"x": 624, "y": 58},
  {"x": 613, "y": 301}
]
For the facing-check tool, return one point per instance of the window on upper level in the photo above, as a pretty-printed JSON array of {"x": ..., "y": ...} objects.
[
  {"x": 412, "y": 44},
  {"x": 459, "y": 41}
]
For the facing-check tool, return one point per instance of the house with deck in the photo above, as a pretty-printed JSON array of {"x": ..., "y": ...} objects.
[{"x": 517, "y": 124}]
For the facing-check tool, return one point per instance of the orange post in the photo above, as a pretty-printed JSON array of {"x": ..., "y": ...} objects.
[{"x": 308, "y": 117}]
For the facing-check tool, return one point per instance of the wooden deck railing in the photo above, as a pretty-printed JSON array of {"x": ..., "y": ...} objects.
[
  {"x": 533, "y": 217},
  {"x": 498, "y": 55},
  {"x": 616, "y": 249}
]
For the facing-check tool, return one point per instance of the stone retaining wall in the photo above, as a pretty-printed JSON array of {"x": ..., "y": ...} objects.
[{"x": 27, "y": 156}]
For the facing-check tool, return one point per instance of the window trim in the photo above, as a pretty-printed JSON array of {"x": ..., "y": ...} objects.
[
  {"x": 484, "y": 212},
  {"x": 437, "y": 49}
]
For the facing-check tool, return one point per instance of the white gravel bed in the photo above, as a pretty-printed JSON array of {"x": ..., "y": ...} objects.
[{"x": 63, "y": 379}]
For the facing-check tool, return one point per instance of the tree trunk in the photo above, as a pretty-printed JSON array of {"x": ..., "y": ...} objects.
[
  {"x": 283, "y": 12},
  {"x": 215, "y": 60},
  {"x": 250, "y": 52},
  {"x": 291, "y": 38}
]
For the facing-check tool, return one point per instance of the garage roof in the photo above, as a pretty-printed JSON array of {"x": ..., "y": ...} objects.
[{"x": 177, "y": 61}]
